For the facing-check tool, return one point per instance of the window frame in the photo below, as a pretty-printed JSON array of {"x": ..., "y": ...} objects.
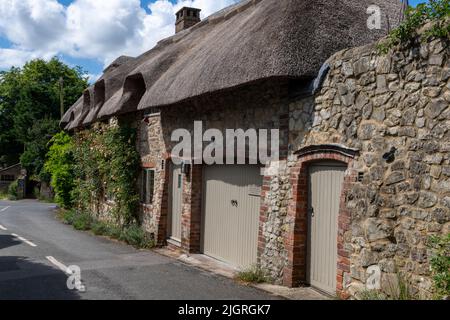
[{"x": 148, "y": 184}]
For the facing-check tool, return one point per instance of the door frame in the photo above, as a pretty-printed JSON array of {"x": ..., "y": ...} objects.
[
  {"x": 294, "y": 273},
  {"x": 170, "y": 237},
  {"x": 203, "y": 207},
  {"x": 329, "y": 164}
]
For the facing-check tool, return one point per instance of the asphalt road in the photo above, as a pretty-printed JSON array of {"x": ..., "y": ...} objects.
[{"x": 35, "y": 247}]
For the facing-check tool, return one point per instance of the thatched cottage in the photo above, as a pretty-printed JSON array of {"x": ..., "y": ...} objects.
[{"x": 360, "y": 177}]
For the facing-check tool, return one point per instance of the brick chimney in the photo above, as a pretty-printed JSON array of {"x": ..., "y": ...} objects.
[{"x": 186, "y": 18}]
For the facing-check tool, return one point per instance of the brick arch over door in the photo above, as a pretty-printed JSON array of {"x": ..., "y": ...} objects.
[{"x": 296, "y": 237}]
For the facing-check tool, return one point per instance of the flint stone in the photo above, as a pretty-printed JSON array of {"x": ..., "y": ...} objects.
[
  {"x": 427, "y": 200},
  {"x": 377, "y": 229},
  {"x": 394, "y": 178},
  {"x": 435, "y": 108},
  {"x": 367, "y": 131},
  {"x": 361, "y": 66}
]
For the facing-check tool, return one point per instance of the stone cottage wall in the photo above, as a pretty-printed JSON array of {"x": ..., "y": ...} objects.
[
  {"x": 258, "y": 106},
  {"x": 152, "y": 148},
  {"x": 371, "y": 103}
]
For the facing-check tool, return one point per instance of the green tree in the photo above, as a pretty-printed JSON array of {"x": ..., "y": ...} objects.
[
  {"x": 60, "y": 167},
  {"x": 10, "y": 149},
  {"x": 30, "y": 109},
  {"x": 33, "y": 156}
]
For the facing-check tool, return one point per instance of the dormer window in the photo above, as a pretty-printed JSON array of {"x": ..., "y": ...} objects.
[
  {"x": 134, "y": 90},
  {"x": 99, "y": 93},
  {"x": 86, "y": 100}
]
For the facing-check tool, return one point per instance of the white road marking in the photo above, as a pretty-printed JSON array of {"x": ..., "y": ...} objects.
[
  {"x": 3, "y": 228},
  {"x": 74, "y": 273},
  {"x": 28, "y": 242},
  {"x": 61, "y": 266},
  {"x": 5, "y": 208}
]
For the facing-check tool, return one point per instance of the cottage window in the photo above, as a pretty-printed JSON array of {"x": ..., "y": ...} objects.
[
  {"x": 148, "y": 185},
  {"x": 8, "y": 177}
]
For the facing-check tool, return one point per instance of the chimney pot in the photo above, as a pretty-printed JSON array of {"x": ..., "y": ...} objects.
[{"x": 186, "y": 18}]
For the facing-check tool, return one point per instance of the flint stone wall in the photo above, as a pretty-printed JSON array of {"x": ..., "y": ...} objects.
[
  {"x": 369, "y": 102},
  {"x": 374, "y": 102}
]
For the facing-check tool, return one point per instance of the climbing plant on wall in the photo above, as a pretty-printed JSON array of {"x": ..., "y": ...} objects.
[
  {"x": 119, "y": 163},
  {"x": 88, "y": 188},
  {"x": 434, "y": 12},
  {"x": 106, "y": 168}
]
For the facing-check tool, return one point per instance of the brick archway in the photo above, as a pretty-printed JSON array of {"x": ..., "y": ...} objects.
[{"x": 296, "y": 237}]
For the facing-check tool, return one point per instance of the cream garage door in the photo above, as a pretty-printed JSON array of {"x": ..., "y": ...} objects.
[
  {"x": 231, "y": 206},
  {"x": 325, "y": 187}
]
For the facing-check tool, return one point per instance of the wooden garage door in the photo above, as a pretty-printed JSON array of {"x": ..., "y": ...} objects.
[
  {"x": 231, "y": 206},
  {"x": 325, "y": 187}
]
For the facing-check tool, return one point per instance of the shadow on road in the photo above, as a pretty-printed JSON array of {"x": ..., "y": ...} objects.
[
  {"x": 22, "y": 279},
  {"x": 7, "y": 241}
]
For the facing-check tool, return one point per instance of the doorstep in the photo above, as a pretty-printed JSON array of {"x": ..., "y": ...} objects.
[
  {"x": 301, "y": 293},
  {"x": 218, "y": 267},
  {"x": 200, "y": 261}
]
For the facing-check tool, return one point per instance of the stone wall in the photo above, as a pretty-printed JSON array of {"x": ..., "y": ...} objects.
[
  {"x": 372, "y": 103},
  {"x": 153, "y": 153},
  {"x": 257, "y": 106}
]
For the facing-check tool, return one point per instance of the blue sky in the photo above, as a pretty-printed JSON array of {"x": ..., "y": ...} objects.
[
  {"x": 416, "y": 2},
  {"x": 89, "y": 33}
]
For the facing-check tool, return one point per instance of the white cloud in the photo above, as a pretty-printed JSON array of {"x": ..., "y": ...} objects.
[
  {"x": 32, "y": 24},
  {"x": 93, "y": 29},
  {"x": 16, "y": 57},
  {"x": 92, "y": 78}
]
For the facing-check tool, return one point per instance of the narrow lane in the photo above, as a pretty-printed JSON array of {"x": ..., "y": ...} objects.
[{"x": 109, "y": 270}]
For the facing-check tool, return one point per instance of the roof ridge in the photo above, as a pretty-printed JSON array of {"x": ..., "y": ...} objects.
[
  {"x": 219, "y": 16},
  {"x": 7, "y": 168}
]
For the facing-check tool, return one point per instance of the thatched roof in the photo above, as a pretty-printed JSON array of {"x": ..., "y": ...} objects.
[{"x": 244, "y": 43}]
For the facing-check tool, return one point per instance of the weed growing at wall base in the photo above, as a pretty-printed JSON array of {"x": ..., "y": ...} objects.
[
  {"x": 253, "y": 274},
  {"x": 440, "y": 265},
  {"x": 398, "y": 289}
]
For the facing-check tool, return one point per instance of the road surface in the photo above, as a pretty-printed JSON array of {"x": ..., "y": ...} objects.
[{"x": 35, "y": 249}]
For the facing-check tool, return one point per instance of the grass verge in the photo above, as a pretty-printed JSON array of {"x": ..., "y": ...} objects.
[{"x": 132, "y": 235}]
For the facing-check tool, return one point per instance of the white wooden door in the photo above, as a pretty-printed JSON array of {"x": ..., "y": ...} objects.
[
  {"x": 231, "y": 206},
  {"x": 325, "y": 187},
  {"x": 175, "y": 199}
]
